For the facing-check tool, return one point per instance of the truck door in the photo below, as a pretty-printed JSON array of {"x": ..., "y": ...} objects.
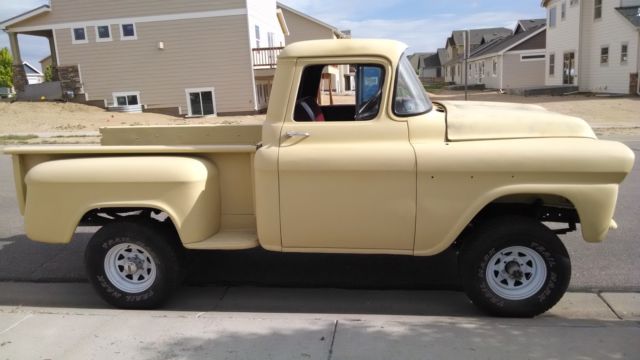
[{"x": 347, "y": 172}]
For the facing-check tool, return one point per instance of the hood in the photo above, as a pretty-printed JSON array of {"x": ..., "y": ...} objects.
[{"x": 471, "y": 120}]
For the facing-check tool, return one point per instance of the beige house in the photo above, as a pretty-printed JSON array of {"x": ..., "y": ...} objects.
[
  {"x": 189, "y": 57},
  {"x": 511, "y": 61},
  {"x": 593, "y": 44}
]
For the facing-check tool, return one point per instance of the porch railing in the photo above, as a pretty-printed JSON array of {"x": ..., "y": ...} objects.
[{"x": 266, "y": 57}]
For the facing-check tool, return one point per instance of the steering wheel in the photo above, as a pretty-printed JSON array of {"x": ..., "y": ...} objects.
[{"x": 369, "y": 106}]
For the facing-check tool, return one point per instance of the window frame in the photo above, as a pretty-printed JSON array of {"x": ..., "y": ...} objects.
[
  {"x": 98, "y": 38},
  {"x": 257, "y": 34},
  {"x": 602, "y": 55},
  {"x": 73, "y": 35},
  {"x": 201, "y": 90},
  {"x": 553, "y": 17},
  {"x": 597, "y": 10},
  {"x": 532, "y": 57},
  {"x": 126, "y": 94},
  {"x": 124, "y": 37},
  {"x": 552, "y": 65},
  {"x": 624, "y": 61}
]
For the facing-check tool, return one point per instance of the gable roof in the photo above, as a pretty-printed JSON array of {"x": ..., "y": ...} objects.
[
  {"x": 476, "y": 35},
  {"x": 30, "y": 70},
  {"x": 502, "y": 45},
  {"x": 417, "y": 60},
  {"x": 631, "y": 13},
  {"x": 529, "y": 24},
  {"x": 24, "y": 16},
  {"x": 335, "y": 30}
]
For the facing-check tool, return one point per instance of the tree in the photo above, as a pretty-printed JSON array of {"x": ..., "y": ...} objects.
[
  {"x": 48, "y": 73},
  {"x": 6, "y": 68}
]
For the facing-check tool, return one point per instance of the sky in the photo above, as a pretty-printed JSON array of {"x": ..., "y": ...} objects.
[{"x": 424, "y": 25}]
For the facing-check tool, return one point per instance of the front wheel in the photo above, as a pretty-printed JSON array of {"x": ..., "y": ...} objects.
[
  {"x": 132, "y": 265},
  {"x": 514, "y": 266}
]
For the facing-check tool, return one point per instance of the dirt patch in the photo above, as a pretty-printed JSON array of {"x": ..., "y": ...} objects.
[{"x": 38, "y": 117}]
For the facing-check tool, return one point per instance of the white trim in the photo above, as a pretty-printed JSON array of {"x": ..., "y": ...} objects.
[
  {"x": 254, "y": 95},
  {"x": 200, "y": 90},
  {"x": 135, "y": 31},
  {"x": 73, "y": 35},
  {"x": 55, "y": 45},
  {"x": 543, "y": 58},
  {"x": 98, "y": 38},
  {"x": 25, "y": 16},
  {"x": 139, "y": 19},
  {"x": 125, "y": 93}
]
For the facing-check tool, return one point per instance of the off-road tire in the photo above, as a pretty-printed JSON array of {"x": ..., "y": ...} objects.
[
  {"x": 154, "y": 242},
  {"x": 488, "y": 243}
]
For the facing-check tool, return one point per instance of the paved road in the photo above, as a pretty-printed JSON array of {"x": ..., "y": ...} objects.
[{"x": 611, "y": 266}]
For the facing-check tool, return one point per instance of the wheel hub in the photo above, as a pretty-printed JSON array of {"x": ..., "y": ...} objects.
[
  {"x": 516, "y": 272},
  {"x": 130, "y": 268}
]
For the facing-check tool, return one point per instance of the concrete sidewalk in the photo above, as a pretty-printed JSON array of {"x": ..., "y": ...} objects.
[{"x": 68, "y": 321}]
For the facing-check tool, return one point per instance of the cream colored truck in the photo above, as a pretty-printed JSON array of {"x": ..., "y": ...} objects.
[{"x": 372, "y": 167}]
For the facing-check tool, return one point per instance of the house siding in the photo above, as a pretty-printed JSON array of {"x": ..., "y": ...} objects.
[
  {"x": 302, "y": 29},
  {"x": 191, "y": 59},
  {"x": 584, "y": 35},
  {"x": 72, "y": 11},
  {"x": 518, "y": 73},
  {"x": 562, "y": 38}
]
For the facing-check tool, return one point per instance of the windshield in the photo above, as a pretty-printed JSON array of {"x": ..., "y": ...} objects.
[{"x": 410, "y": 98}]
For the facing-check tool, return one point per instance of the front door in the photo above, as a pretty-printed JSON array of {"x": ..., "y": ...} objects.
[
  {"x": 346, "y": 184},
  {"x": 569, "y": 69}
]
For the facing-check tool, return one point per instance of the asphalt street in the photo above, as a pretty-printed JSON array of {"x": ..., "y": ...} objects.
[{"x": 610, "y": 266}]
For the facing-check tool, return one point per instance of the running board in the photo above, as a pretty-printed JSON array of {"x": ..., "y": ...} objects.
[{"x": 227, "y": 240}]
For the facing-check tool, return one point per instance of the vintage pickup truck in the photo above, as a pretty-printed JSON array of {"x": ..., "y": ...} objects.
[{"x": 376, "y": 169}]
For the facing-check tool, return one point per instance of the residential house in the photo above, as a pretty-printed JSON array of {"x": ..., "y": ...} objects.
[
  {"x": 34, "y": 76},
  {"x": 45, "y": 63},
  {"x": 511, "y": 61},
  {"x": 455, "y": 49},
  {"x": 428, "y": 66},
  {"x": 190, "y": 57},
  {"x": 593, "y": 44}
]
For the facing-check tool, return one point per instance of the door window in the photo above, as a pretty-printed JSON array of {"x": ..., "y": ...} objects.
[
  {"x": 339, "y": 92},
  {"x": 201, "y": 102}
]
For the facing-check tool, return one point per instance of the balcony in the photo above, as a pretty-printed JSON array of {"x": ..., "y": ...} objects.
[{"x": 266, "y": 58}]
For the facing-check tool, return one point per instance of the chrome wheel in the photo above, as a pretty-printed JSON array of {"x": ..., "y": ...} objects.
[
  {"x": 130, "y": 268},
  {"x": 516, "y": 273}
]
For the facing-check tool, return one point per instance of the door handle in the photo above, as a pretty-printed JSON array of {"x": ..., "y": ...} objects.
[{"x": 291, "y": 134}]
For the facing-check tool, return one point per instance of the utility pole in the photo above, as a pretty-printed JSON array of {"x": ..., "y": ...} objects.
[{"x": 467, "y": 40}]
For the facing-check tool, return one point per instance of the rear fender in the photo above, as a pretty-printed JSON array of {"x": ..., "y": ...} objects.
[{"x": 60, "y": 192}]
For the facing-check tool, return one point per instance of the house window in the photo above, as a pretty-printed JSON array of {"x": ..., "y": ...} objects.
[
  {"x": 574, "y": 2},
  {"x": 126, "y": 98},
  {"x": 128, "y": 32},
  {"x": 563, "y": 10},
  {"x": 79, "y": 35},
  {"x": 604, "y": 55},
  {"x": 552, "y": 64},
  {"x": 201, "y": 102},
  {"x": 257, "y": 36},
  {"x": 103, "y": 33},
  {"x": 597, "y": 9},
  {"x": 270, "y": 39},
  {"x": 624, "y": 54},
  {"x": 532, "y": 57},
  {"x": 552, "y": 17}
]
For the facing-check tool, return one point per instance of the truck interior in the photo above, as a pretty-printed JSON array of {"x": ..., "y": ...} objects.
[{"x": 339, "y": 93}]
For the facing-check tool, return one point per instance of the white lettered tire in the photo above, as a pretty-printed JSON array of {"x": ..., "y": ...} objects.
[
  {"x": 514, "y": 266},
  {"x": 132, "y": 265}
]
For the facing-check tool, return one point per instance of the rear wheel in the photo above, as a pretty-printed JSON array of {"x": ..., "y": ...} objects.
[
  {"x": 132, "y": 265},
  {"x": 514, "y": 266}
]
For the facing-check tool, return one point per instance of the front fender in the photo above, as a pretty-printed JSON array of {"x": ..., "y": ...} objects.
[{"x": 60, "y": 192}]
